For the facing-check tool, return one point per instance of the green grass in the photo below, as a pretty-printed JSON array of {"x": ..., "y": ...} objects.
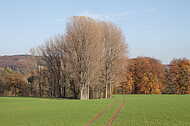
[
  {"x": 46, "y": 112},
  {"x": 138, "y": 110},
  {"x": 154, "y": 110}
]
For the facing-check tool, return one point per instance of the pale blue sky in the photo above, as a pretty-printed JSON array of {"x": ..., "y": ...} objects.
[{"x": 155, "y": 28}]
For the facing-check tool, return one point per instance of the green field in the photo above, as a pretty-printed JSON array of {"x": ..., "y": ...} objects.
[{"x": 142, "y": 110}]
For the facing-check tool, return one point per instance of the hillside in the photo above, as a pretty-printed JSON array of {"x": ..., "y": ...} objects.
[{"x": 16, "y": 62}]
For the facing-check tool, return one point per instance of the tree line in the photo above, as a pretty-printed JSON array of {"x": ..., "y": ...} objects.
[
  {"x": 89, "y": 61},
  {"x": 146, "y": 75}
]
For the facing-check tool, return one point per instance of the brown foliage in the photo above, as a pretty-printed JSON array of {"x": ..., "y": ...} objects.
[
  {"x": 143, "y": 76},
  {"x": 178, "y": 77},
  {"x": 15, "y": 83}
]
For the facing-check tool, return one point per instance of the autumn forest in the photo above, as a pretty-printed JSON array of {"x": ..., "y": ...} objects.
[{"x": 89, "y": 61}]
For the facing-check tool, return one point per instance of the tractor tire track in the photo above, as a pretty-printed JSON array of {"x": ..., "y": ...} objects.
[
  {"x": 100, "y": 114},
  {"x": 115, "y": 114}
]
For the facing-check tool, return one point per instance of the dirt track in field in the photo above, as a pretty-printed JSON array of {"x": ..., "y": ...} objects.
[
  {"x": 100, "y": 113},
  {"x": 115, "y": 114}
]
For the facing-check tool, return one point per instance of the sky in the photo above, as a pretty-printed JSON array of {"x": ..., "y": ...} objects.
[{"x": 155, "y": 28}]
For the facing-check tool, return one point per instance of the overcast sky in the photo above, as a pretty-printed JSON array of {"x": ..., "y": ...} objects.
[{"x": 154, "y": 28}]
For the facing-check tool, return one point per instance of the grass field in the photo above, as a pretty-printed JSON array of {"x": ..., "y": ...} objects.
[
  {"x": 155, "y": 110},
  {"x": 142, "y": 110}
]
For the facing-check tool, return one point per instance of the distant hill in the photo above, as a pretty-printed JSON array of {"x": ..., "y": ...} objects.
[{"x": 16, "y": 62}]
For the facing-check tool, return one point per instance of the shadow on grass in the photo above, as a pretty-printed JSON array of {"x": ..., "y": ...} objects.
[{"x": 59, "y": 98}]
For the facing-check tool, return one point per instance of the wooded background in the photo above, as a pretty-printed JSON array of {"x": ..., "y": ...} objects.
[{"x": 90, "y": 61}]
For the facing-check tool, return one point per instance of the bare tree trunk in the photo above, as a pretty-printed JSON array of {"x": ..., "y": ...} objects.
[
  {"x": 15, "y": 91},
  {"x": 39, "y": 78},
  {"x": 54, "y": 90},
  {"x": 81, "y": 92},
  {"x": 110, "y": 91},
  {"x": 59, "y": 88},
  {"x": 64, "y": 93},
  {"x": 106, "y": 96},
  {"x": 101, "y": 94},
  {"x": 88, "y": 96}
]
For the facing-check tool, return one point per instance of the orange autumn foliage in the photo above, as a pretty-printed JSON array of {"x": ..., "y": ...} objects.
[{"x": 143, "y": 76}]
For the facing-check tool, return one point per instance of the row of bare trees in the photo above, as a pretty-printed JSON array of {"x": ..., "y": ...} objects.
[{"x": 85, "y": 62}]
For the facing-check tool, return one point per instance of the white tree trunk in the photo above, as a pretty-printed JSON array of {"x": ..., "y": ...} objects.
[
  {"x": 88, "y": 96},
  {"x": 110, "y": 90},
  {"x": 81, "y": 92}
]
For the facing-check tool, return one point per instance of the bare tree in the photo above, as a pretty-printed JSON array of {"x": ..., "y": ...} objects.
[
  {"x": 36, "y": 57},
  {"x": 114, "y": 52},
  {"x": 82, "y": 36},
  {"x": 88, "y": 59},
  {"x": 52, "y": 56}
]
